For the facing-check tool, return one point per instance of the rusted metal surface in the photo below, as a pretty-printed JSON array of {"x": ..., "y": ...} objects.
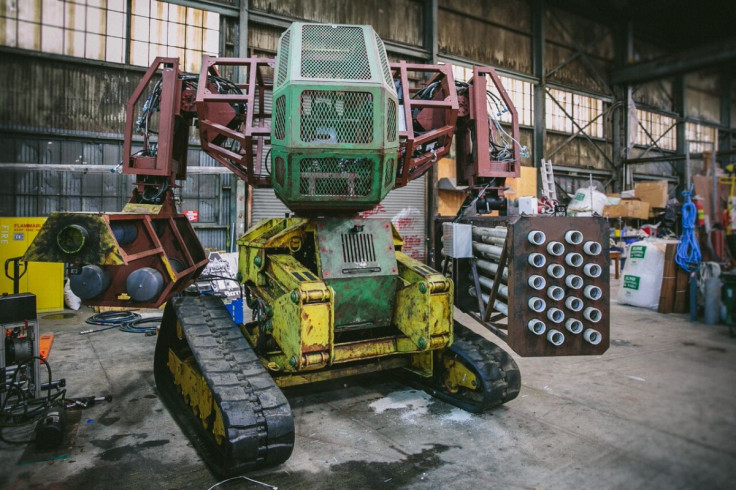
[
  {"x": 254, "y": 133},
  {"x": 473, "y": 161},
  {"x": 439, "y": 114},
  {"x": 515, "y": 323},
  {"x": 157, "y": 238},
  {"x": 162, "y": 163}
]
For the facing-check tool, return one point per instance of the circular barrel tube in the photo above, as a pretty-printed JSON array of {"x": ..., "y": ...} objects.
[
  {"x": 555, "y": 248},
  {"x": 537, "y": 260},
  {"x": 492, "y": 268},
  {"x": 592, "y": 336},
  {"x": 592, "y": 270},
  {"x": 556, "y": 270},
  {"x": 537, "y": 327},
  {"x": 592, "y": 248},
  {"x": 537, "y": 304},
  {"x": 574, "y": 326},
  {"x": 592, "y": 314},
  {"x": 574, "y": 259},
  {"x": 537, "y": 282},
  {"x": 125, "y": 232},
  {"x": 555, "y": 293},
  {"x": 573, "y": 303},
  {"x": 574, "y": 237},
  {"x": 489, "y": 251},
  {"x": 144, "y": 284},
  {"x": 72, "y": 238},
  {"x": 90, "y": 283},
  {"x": 536, "y": 237},
  {"x": 556, "y": 315},
  {"x": 497, "y": 231},
  {"x": 574, "y": 281},
  {"x": 555, "y": 337},
  {"x": 593, "y": 292},
  {"x": 177, "y": 264}
]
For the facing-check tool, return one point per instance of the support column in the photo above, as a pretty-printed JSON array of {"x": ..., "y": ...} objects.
[
  {"x": 678, "y": 97},
  {"x": 240, "y": 196},
  {"x": 538, "y": 70},
  {"x": 725, "y": 140},
  {"x": 622, "y": 98},
  {"x": 431, "y": 9}
]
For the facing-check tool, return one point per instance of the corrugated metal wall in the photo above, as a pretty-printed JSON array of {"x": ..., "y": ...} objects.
[
  {"x": 405, "y": 207},
  {"x": 400, "y": 20},
  {"x": 59, "y": 96}
]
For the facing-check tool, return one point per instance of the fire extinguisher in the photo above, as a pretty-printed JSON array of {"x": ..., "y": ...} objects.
[{"x": 701, "y": 211}]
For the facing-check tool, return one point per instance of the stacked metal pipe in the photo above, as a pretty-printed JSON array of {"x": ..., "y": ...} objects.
[{"x": 557, "y": 272}]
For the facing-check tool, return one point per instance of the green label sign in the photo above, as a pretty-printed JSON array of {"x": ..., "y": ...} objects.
[
  {"x": 637, "y": 252},
  {"x": 580, "y": 196},
  {"x": 631, "y": 282}
]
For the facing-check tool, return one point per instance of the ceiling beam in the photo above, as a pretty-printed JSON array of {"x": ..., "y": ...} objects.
[{"x": 675, "y": 64}]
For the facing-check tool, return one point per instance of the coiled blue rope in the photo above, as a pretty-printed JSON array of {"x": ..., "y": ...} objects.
[{"x": 688, "y": 251}]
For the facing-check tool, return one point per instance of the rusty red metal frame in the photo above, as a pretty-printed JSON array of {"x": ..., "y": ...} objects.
[
  {"x": 443, "y": 108},
  {"x": 163, "y": 163},
  {"x": 480, "y": 164},
  {"x": 214, "y": 118}
]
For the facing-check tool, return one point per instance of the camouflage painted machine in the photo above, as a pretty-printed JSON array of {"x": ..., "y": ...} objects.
[{"x": 331, "y": 293}]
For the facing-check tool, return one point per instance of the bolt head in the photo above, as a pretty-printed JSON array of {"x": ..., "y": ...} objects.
[
  {"x": 258, "y": 261},
  {"x": 422, "y": 287},
  {"x": 421, "y": 343},
  {"x": 295, "y": 296},
  {"x": 292, "y": 361}
]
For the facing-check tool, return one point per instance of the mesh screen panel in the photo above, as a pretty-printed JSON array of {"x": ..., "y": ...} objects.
[
  {"x": 384, "y": 61},
  {"x": 279, "y": 118},
  {"x": 391, "y": 121},
  {"x": 334, "y": 52},
  {"x": 336, "y": 117},
  {"x": 343, "y": 177},
  {"x": 283, "y": 58}
]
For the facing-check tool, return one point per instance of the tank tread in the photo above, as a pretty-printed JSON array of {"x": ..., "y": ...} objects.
[
  {"x": 256, "y": 415},
  {"x": 498, "y": 372}
]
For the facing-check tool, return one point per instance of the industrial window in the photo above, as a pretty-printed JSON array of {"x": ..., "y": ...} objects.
[
  {"x": 661, "y": 130},
  {"x": 93, "y": 29},
  {"x": 163, "y": 29},
  {"x": 96, "y": 29},
  {"x": 520, "y": 92},
  {"x": 585, "y": 111},
  {"x": 701, "y": 138}
]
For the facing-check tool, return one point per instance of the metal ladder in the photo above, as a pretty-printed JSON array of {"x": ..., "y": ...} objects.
[{"x": 548, "y": 180}]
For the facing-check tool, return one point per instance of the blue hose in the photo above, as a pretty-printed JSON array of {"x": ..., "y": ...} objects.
[{"x": 688, "y": 251}]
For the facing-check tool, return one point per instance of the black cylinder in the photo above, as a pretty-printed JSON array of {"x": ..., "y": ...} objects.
[
  {"x": 125, "y": 231},
  {"x": 50, "y": 429},
  {"x": 18, "y": 349},
  {"x": 90, "y": 283},
  {"x": 177, "y": 264},
  {"x": 144, "y": 284},
  {"x": 71, "y": 239}
]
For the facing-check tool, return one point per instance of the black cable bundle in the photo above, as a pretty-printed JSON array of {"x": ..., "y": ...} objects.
[{"x": 25, "y": 410}]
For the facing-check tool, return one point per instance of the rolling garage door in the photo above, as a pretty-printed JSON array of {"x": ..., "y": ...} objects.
[{"x": 405, "y": 208}]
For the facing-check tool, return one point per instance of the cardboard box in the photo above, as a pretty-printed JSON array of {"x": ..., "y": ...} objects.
[
  {"x": 655, "y": 193},
  {"x": 628, "y": 208},
  {"x": 524, "y": 185}
]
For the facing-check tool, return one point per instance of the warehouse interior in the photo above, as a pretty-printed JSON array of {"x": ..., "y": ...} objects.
[{"x": 548, "y": 306}]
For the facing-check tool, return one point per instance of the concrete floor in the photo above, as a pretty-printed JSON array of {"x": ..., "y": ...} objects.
[{"x": 658, "y": 410}]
